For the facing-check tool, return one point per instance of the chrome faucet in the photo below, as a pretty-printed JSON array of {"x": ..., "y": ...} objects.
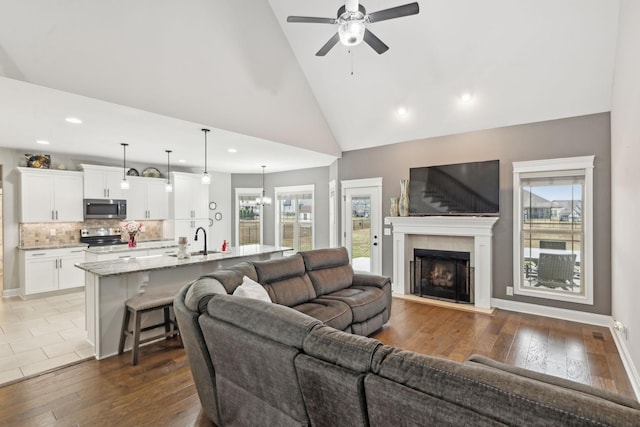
[{"x": 205, "y": 239}]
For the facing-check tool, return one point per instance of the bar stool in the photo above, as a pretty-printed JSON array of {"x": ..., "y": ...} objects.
[{"x": 141, "y": 304}]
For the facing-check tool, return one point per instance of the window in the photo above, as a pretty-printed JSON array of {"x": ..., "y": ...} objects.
[
  {"x": 553, "y": 229},
  {"x": 248, "y": 217},
  {"x": 294, "y": 217}
]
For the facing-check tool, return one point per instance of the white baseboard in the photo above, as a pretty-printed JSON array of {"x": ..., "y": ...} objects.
[
  {"x": 627, "y": 361},
  {"x": 556, "y": 313},
  {"x": 10, "y": 293},
  {"x": 582, "y": 317}
]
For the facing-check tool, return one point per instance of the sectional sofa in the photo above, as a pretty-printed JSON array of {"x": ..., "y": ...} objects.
[{"x": 259, "y": 363}]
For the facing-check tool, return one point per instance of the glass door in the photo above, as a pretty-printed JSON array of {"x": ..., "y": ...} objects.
[{"x": 362, "y": 227}]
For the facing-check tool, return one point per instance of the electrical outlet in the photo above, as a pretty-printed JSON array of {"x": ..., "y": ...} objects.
[
  {"x": 52, "y": 232},
  {"x": 510, "y": 290},
  {"x": 387, "y": 231}
]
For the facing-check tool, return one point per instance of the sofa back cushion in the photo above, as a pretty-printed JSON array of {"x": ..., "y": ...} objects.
[
  {"x": 285, "y": 280},
  {"x": 232, "y": 277},
  {"x": 253, "y": 345},
  {"x": 485, "y": 391},
  {"x": 328, "y": 269}
]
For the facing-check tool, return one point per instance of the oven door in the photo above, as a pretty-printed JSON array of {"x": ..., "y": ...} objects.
[{"x": 105, "y": 209}]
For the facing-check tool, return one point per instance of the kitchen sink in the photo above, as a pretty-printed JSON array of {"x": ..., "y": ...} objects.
[{"x": 198, "y": 253}]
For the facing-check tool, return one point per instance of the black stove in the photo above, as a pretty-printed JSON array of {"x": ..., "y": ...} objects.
[{"x": 101, "y": 236}]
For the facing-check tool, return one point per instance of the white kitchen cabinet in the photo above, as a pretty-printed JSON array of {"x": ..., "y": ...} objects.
[
  {"x": 50, "y": 195},
  {"x": 190, "y": 198},
  {"x": 147, "y": 198},
  {"x": 103, "y": 182},
  {"x": 50, "y": 270}
]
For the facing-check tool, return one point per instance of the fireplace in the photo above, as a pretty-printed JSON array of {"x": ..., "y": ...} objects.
[{"x": 443, "y": 275}]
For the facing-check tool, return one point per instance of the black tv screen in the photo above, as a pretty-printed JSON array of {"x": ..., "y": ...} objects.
[{"x": 459, "y": 189}]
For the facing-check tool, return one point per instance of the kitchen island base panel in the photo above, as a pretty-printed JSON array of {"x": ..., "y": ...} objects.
[{"x": 105, "y": 297}]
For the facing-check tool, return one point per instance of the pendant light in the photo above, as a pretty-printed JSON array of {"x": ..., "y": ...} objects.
[
  {"x": 263, "y": 200},
  {"x": 168, "y": 188},
  {"x": 206, "y": 179},
  {"x": 124, "y": 184}
]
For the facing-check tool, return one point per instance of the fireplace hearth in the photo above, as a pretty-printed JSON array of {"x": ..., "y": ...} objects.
[{"x": 443, "y": 275}]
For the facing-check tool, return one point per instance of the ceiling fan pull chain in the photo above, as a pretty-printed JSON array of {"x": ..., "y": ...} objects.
[{"x": 351, "y": 57}]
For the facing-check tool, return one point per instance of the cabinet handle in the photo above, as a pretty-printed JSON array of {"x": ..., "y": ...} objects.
[
  {"x": 108, "y": 190},
  {"x": 78, "y": 251},
  {"x": 56, "y": 214},
  {"x": 60, "y": 262},
  {"x": 53, "y": 215},
  {"x": 44, "y": 253},
  {"x": 56, "y": 264}
]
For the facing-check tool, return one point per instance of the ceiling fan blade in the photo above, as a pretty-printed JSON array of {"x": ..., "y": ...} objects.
[
  {"x": 373, "y": 41},
  {"x": 311, "y": 20},
  {"x": 394, "y": 12},
  {"x": 328, "y": 45}
]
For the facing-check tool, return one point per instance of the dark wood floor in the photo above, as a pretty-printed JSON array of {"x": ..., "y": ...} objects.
[{"x": 160, "y": 391}]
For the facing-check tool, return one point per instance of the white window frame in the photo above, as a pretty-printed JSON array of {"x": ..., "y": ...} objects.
[
  {"x": 309, "y": 188},
  {"x": 243, "y": 192},
  {"x": 554, "y": 167}
]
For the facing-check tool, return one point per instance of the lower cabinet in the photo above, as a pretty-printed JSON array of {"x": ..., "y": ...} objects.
[{"x": 50, "y": 270}]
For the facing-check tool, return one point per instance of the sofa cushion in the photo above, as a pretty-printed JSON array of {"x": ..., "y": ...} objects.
[
  {"x": 232, "y": 277},
  {"x": 251, "y": 289},
  {"x": 550, "y": 379},
  {"x": 365, "y": 301},
  {"x": 331, "y": 312},
  {"x": 285, "y": 280},
  {"x": 200, "y": 292},
  {"x": 328, "y": 269},
  {"x": 318, "y": 259},
  {"x": 478, "y": 388},
  {"x": 350, "y": 351}
]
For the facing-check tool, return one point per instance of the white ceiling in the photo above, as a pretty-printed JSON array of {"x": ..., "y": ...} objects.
[{"x": 153, "y": 72}]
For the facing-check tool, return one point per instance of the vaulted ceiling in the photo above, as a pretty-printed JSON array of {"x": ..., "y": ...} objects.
[{"x": 153, "y": 72}]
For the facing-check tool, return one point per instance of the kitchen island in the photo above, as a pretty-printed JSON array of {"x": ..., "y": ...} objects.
[{"x": 110, "y": 283}]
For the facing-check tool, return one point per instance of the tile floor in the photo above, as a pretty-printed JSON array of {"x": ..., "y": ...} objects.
[{"x": 41, "y": 334}]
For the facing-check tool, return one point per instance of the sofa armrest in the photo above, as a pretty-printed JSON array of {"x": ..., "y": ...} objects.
[
  {"x": 550, "y": 379},
  {"x": 367, "y": 279}
]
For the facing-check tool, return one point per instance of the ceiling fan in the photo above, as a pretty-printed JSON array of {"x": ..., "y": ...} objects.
[{"x": 352, "y": 19}]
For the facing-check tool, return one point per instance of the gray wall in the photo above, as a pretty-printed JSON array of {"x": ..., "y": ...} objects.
[
  {"x": 317, "y": 176},
  {"x": 579, "y": 136}
]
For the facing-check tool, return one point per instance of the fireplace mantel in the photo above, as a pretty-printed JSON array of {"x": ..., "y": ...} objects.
[{"x": 478, "y": 228}]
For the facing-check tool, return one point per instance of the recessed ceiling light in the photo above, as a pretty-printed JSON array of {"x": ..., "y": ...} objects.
[
  {"x": 466, "y": 97},
  {"x": 232, "y": 150},
  {"x": 74, "y": 120},
  {"x": 402, "y": 111},
  {"x": 182, "y": 161},
  {"x": 42, "y": 142}
]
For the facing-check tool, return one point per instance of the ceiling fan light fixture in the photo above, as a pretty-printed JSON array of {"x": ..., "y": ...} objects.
[{"x": 351, "y": 32}]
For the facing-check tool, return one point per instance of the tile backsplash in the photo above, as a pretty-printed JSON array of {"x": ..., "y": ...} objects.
[{"x": 66, "y": 233}]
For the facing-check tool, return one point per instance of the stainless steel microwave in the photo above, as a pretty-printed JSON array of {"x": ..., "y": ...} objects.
[{"x": 105, "y": 209}]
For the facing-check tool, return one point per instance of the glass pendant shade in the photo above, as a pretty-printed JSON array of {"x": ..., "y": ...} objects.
[
  {"x": 205, "y": 179},
  {"x": 168, "y": 187},
  {"x": 124, "y": 184}
]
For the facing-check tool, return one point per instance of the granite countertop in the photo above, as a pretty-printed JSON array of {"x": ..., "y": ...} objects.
[
  {"x": 156, "y": 262},
  {"x": 141, "y": 246},
  {"x": 60, "y": 246}
]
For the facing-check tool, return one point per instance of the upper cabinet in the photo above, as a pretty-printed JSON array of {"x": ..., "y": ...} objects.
[
  {"x": 103, "y": 182},
  {"x": 147, "y": 198},
  {"x": 50, "y": 195},
  {"x": 190, "y": 198}
]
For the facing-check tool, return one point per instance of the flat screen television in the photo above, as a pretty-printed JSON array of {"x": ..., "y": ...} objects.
[{"x": 458, "y": 189}]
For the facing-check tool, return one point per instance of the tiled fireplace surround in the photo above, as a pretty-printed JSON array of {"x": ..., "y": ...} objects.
[{"x": 464, "y": 234}]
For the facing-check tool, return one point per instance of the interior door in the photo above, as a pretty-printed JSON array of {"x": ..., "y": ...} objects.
[{"x": 362, "y": 227}]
